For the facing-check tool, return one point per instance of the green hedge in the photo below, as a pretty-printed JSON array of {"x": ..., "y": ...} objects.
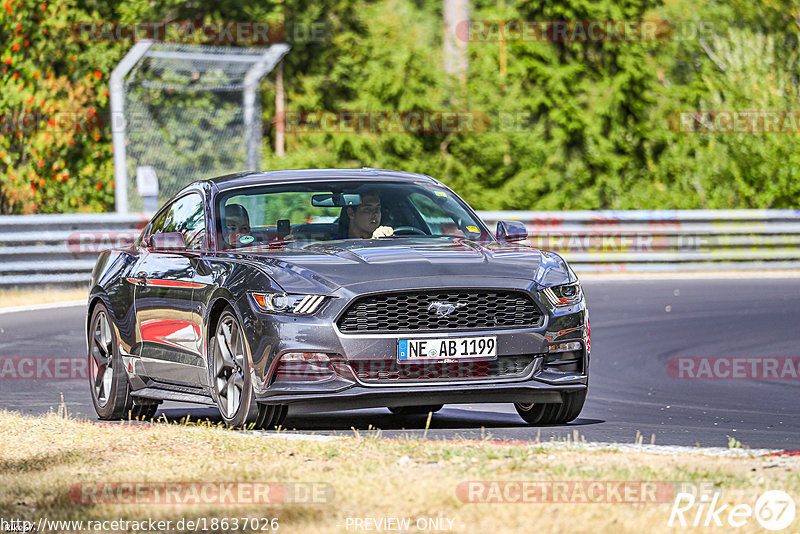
[{"x": 592, "y": 126}]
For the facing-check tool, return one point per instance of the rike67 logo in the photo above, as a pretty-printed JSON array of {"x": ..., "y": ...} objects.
[{"x": 773, "y": 510}]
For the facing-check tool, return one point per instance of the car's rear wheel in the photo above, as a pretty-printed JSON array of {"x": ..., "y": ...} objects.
[
  {"x": 107, "y": 380},
  {"x": 551, "y": 413},
  {"x": 415, "y": 410}
]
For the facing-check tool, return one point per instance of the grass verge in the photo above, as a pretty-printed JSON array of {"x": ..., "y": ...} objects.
[{"x": 44, "y": 459}]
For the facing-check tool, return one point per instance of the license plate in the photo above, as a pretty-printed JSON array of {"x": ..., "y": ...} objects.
[{"x": 449, "y": 348}]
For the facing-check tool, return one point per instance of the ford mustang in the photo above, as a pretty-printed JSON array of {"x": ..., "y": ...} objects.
[{"x": 334, "y": 289}]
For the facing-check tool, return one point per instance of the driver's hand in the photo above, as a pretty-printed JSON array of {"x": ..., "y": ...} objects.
[{"x": 383, "y": 231}]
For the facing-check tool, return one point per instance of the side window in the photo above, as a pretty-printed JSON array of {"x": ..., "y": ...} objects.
[
  {"x": 158, "y": 224},
  {"x": 185, "y": 215}
]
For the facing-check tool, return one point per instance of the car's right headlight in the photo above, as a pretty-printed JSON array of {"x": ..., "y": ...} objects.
[
  {"x": 290, "y": 304},
  {"x": 564, "y": 295}
]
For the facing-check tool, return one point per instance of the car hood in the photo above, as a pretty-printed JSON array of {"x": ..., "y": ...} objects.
[{"x": 325, "y": 266}]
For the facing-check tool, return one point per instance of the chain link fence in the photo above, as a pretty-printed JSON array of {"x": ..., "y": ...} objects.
[{"x": 189, "y": 112}]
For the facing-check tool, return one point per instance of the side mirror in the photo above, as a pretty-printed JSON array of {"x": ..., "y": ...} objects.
[
  {"x": 168, "y": 242},
  {"x": 511, "y": 231}
]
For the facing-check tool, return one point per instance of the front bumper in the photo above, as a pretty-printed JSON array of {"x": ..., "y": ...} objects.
[
  {"x": 274, "y": 336},
  {"x": 356, "y": 397}
]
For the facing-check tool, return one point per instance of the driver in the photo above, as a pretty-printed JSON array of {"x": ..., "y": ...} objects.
[{"x": 365, "y": 220}]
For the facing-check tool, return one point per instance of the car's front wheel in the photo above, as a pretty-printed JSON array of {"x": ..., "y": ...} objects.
[
  {"x": 230, "y": 373},
  {"x": 551, "y": 413},
  {"x": 231, "y": 386}
]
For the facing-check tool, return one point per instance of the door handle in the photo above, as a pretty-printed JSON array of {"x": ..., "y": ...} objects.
[{"x": 141, "y": 278}]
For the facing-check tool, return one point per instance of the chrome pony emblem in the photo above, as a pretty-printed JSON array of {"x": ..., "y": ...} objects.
[{"x": 443, "y": 309}]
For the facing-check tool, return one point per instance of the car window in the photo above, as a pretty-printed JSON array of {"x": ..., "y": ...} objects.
[
  {"x": 184, "y": 215},
  {"x": 439, "y": 221},
  {"x": 322, "y": 211},
  {"x": 267, "y": 209}
]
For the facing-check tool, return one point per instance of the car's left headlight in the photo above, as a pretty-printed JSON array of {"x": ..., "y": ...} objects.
[
  {"x": 285, "y": 303},
  {"x": 564, "y": 295}
]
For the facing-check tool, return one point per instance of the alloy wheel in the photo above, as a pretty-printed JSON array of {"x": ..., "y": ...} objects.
[
  {"x": 102, "y": 362},
  {"x": 229, "y": 364}
]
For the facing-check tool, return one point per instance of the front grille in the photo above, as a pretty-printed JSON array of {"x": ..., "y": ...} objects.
[
  {"x": 392, "y": 371},
  {"x": 415, "y": 311}
]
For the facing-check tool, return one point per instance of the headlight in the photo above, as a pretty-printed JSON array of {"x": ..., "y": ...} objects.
[
  {"x": 564, "y": 295},
  {"x": 283, "y": 303}
]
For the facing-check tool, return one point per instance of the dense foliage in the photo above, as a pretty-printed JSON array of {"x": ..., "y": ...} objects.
[{"x": 585, "y": 125}]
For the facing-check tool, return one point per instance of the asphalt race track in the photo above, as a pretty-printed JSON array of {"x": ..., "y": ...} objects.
[{"x": 637, "y": 326}]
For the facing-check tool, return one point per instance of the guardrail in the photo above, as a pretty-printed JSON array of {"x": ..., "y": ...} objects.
[
  {"x": 665, "y": 240},
  {"x": 61, "y": 249}
]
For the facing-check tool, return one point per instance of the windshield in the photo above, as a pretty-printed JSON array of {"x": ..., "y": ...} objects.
[{"x": 329, "y": 211}]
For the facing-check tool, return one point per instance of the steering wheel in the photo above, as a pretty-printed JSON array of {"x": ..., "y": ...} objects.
[{"x": 409, "y": 229}]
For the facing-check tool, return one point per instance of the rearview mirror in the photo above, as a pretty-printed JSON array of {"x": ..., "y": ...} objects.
[
  {"x": 335, "y": 200},
  {"x": 511, "y": 231},
  {"x": 168, "y": 242}
]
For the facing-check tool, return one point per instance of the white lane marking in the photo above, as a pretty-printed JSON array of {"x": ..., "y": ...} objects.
[
  {"x": 273, "y": 434},
  {"x": 584, "y": 446},
  {"x": 46, "y": 306},
  {"x": 659, "y": 449}
]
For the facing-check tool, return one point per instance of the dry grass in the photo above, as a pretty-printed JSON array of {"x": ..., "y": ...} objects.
[
  {"x": 42, "y": 457},
  {"x": 25, "y": 297}
]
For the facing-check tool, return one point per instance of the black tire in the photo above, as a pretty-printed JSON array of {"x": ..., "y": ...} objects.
[
  {"x": 415, "y": 410},
  {"x": 553, "y": 413},
  {"x": 108, "y": 383},
  {"x": 229, "y": 373}
]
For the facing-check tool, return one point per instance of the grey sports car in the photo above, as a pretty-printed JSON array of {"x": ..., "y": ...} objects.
[{"x": 336, "y": 289}]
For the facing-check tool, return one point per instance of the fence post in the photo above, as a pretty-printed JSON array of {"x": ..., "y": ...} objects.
[{"x": 117, "y": 94}]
